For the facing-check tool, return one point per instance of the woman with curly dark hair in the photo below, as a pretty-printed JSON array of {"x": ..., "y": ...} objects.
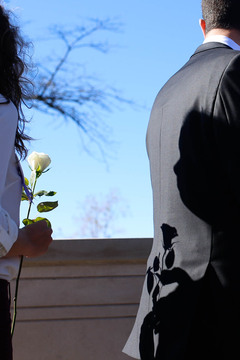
[{"x": 32, "y": 240}]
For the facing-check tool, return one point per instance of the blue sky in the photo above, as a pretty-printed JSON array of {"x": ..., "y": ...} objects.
[{"x": 156, "y": 38}]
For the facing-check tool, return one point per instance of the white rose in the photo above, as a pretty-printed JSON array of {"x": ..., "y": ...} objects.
[{"x": 38, "y": 161}]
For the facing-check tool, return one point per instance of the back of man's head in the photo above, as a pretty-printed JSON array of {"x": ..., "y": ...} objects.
[{"x": 221, "y": 14}]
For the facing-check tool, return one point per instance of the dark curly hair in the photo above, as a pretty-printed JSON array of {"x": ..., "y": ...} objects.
[{"x": 13, "y": 85}]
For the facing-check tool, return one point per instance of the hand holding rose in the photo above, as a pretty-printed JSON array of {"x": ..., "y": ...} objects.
[{"x": 33, "y": 240}]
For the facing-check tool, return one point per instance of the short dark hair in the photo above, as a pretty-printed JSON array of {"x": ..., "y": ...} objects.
[{"x": 222, "y": 14}]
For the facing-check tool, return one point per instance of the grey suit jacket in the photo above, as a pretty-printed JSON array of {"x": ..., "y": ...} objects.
[{"x": 192, "y": 285}]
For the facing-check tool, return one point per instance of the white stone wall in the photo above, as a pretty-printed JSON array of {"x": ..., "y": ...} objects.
[{"x": 79, "y": 301}]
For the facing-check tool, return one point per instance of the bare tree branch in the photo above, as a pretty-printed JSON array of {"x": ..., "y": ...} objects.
[
  {"x": 79, "y": 98},
  {"x": 100, "y": 215}
]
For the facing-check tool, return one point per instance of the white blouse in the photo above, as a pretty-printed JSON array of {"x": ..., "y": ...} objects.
[{"x": 10, "y": 188}]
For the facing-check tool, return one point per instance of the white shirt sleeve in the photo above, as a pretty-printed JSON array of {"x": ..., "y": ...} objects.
[
  {"x": 8, "y": 232},
  {"x": 8, "y": 125}
]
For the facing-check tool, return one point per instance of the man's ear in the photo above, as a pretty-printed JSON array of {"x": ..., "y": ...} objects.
[{"x": 202, "y": 24}]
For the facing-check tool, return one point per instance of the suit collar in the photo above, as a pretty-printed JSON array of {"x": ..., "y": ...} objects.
[
  {"x": 223, "y": 40},
  {"x": 210, "y": 46}
]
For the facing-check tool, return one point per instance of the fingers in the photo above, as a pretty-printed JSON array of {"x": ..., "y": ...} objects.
[
  {"x": 42, "y": 224},
  {"x": 40, "y": 228},
  {"x": 39, "y": 237},
  {"x": 33, "y": 240}
]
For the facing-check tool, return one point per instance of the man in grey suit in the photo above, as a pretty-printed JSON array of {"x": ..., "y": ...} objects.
[{"x": 190, "y": 304}]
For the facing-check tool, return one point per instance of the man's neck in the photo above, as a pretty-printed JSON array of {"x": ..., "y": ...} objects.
[{"x": 230, "y": 33}]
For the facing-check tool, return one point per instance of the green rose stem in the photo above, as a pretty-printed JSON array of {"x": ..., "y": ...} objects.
[
  {"x": 15, "y": 297},
  {"x": 19, "y": 271}
]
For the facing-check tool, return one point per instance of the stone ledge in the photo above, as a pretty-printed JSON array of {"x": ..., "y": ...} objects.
[
  {"x": 57, "y": 313},
  {"x": 94, "y": 251},
  {"x": 79, "y": 301}
]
